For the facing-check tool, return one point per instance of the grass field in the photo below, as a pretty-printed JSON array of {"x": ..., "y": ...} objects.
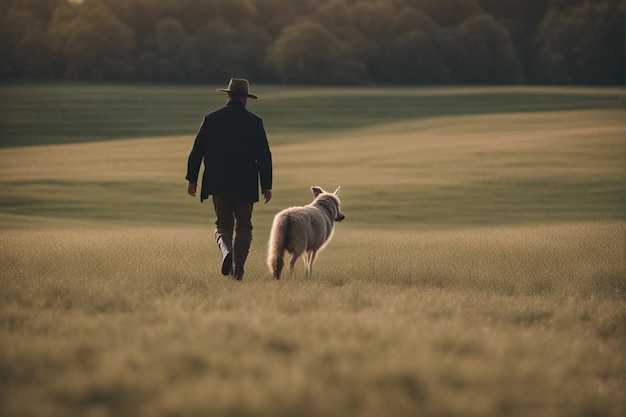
[{"x": 480, "y": 270}]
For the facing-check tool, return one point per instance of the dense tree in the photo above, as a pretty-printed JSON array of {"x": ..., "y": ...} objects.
[
  {"x": 218, "y": 50},
  {"x": 225, "y": 50},
  {"x": 92, "y": 41},
  {"x": 41, "y": 10},
  {"x": 33, "y": 53},
  {"x": 447, "y": 12},
  {"x": 368, "y": 27},
  {"x": 308, "y": 53},
  {"x": 25, "y": 50},
  {"x": 13, "y": 29},
  {"x": 583, "y": 44},
  {"x": 274, "y": 15},
  {"x": 416, "y": 54},
  {"x": 521, "y": 18},
  {"x": 481, "y": 52},
  {"x": 141, "y": 15},
  {"x": 172, "y": 53},
  {"x": 316, "y": 41}
]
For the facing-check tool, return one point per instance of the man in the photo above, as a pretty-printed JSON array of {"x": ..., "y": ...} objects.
[{"x": 236, "y": 154}]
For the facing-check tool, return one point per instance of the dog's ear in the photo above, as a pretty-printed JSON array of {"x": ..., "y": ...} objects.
[
  {"x": 316, "y": 190},
  {"x": 337, "y": 190}
]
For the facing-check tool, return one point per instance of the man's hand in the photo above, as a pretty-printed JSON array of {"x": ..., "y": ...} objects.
[
  {"x": 267, "y": 196},
  {"x": 191, "y": 188}
]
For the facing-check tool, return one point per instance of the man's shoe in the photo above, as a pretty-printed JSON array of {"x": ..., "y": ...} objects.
[
  {"x": 227, "y": 263},
  {"x": 226, "y": 247},
  {"x": 238, "y": 275}
]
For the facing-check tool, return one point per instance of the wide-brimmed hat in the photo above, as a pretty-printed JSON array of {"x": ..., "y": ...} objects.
[{"x": 238, "y": 86}]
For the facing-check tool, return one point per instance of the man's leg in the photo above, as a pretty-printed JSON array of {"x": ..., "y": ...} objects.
[
  {"x": 224, "y": 230},
  {"x": 243, "y": 234}
]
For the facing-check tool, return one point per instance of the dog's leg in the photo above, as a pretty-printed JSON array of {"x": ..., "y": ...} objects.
[
  {"x": 297, "y": 249},
  {"x": 307, "y": 263},
  {"x": 312, "y": 256},
  {"x": 292, "y": 263}
]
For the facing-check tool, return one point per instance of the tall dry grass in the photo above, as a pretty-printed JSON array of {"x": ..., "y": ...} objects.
[{"x": 484, "y": 322}]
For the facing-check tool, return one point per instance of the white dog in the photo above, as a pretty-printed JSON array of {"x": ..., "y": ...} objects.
[{"x": 303, "y": 230}]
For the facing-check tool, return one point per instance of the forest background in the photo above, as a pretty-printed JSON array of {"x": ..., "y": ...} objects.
[{"x": 417, "y": 42}]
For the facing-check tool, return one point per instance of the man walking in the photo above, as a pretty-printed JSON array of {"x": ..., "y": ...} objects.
[{"x": 236, "y": 154}]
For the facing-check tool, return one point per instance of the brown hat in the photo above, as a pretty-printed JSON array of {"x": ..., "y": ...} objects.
[{"x": 238, "y": 86}]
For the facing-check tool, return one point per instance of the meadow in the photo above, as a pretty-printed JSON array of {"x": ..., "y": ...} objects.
[{"x": 480, "y": 270}]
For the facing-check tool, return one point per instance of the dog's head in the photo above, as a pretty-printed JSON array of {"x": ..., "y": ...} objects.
[{"x": 319, "y": 193}]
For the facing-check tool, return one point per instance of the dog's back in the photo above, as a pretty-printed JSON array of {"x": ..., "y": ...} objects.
[{"x": 303, "y": 230}]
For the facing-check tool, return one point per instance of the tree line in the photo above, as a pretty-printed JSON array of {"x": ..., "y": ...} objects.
[{"x": 418, "y": 42}]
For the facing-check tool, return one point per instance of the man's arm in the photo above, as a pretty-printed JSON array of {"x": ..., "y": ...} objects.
[
  {"x": 195, "y": 159},
  {"x": 264, "y": 160}
]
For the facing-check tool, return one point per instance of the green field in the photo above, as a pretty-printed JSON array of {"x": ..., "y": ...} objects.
[{"x": 480, "y": 270}]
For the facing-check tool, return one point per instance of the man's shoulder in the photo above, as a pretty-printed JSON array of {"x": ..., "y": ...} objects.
[
  {"x": 221, "y": 112},
  {"x": 217, "y": 112},
  {"x": 253, "y": 116}
]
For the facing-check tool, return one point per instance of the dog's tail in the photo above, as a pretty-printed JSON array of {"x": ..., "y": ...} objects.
[{"x": 278, "y": 244}]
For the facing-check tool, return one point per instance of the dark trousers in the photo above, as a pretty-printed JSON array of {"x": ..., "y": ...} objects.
[{"x": 234, "y": 216}]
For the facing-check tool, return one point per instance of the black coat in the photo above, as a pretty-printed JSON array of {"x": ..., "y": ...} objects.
[{"x": 236, "y": 154}]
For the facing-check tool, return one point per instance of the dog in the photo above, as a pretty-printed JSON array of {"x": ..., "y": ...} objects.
[{"x": 303, "y": 231}]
